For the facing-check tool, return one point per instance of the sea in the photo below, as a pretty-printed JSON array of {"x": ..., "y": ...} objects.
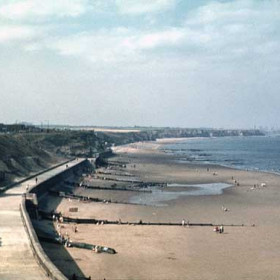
[
  {"x": 250, "y": 153},
  {"x": 257, "y": 153}
]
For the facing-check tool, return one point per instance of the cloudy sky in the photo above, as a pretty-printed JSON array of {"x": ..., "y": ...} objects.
[{"x": 187, "y": 63}]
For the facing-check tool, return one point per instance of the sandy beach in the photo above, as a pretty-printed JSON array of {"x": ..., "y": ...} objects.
[{"x": 248, "y": 249}]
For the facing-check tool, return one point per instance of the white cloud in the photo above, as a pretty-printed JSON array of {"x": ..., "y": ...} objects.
[
  {"x": 217, "y": 30},
  {"x": 42, "y": 8},
  {"x": 152, "y": 40},
  {"x": 236, "y": 28},
  {"x": 101, "y": 46},
  {"x": 238, "y": 11},
  {"x": 222, "y": 52},
  {"x": 143, "y": 6},
  {"x": 117, "y": 44},
  {"x": 16, "y": 33}
]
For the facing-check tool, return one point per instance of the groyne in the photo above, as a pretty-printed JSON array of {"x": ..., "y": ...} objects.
[{"x": 50, "y": 215}]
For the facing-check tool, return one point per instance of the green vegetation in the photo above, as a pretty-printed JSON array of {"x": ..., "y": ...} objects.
[{"x": 25, "y": 152}]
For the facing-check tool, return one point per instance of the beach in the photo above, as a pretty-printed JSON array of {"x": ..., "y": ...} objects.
[{"x": 248, "y": 208}]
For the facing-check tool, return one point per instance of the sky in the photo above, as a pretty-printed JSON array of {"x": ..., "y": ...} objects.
[{"x": 179, "y": 63}]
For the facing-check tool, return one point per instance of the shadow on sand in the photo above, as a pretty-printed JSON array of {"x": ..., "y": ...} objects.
[
  {"x": 58, "y": 254},
  {"x": 9, "y": 194}
]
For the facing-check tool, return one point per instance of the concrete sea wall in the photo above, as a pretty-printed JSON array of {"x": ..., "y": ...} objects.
[{"x": 40, "y": 189}]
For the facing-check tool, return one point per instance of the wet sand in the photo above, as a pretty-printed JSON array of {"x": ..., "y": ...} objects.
[{"x": 251, "y": 251}]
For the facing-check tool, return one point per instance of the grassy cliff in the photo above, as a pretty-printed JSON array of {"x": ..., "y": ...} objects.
[{"x": 22, "y": 153}]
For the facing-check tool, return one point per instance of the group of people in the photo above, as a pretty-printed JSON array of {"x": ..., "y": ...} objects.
[
  {"x": 64, "y": 239},
  {"x": 96, "y": 249},
  {"x": 185, "y": 223},
  {"x": 57, "y": 218},
  {"x": 225, "y": 209},
  {"x": 219, "y": 229}
]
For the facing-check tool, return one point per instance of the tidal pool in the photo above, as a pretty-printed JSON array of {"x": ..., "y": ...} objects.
[{"x": 160, "y": 195}]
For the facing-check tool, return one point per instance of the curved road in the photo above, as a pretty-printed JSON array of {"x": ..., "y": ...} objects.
[{"x": 16, "y": 257}]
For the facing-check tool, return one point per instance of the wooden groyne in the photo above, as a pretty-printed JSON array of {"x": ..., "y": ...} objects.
[
  {"x": 114, "y": 173},
  {"x": 118, "y": 179},
  {"x": 89, "y": 199},
  {"x": 130, "y": 189},
  {"x": 60, "y": 240},
  {"x": 55, "y": 215}
]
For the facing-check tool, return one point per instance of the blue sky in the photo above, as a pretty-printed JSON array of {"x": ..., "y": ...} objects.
[{"x": 185, "y": 63}]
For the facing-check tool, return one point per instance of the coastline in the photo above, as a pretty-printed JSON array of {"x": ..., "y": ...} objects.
[
  {"x": 183, "y": 252},
  {"x": 165, "y": 141}
]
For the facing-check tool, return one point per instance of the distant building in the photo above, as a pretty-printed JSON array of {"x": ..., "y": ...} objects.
[{"x": 18, "y": 128}]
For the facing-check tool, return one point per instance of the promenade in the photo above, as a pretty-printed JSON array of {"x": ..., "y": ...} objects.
[{"x": 16, "y": 256}]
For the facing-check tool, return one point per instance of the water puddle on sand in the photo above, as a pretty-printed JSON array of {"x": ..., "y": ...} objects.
[{"x": 160, "y": 195}]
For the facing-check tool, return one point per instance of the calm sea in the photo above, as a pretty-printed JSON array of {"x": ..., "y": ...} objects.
[{"x": 253, "y": 153}]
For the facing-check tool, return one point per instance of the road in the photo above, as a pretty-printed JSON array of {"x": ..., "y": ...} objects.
[{"x": 16, "y": 257}]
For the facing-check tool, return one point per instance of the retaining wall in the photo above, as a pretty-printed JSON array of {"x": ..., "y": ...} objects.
[
  {"x": 43, "y": 260},
  {"x": 9, "y": 186},
  {"x": 43, "y": 186}
]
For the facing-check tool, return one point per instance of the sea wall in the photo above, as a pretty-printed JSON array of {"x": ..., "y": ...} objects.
[
  {"x": 43, "y": 260},
  {"x": 40, "y": 189},
  {"x": 11, "y": 185}
]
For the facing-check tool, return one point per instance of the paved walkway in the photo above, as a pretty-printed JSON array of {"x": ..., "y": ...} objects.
[{"x": 16, "y": 258}]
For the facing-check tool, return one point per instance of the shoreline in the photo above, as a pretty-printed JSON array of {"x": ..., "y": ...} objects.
[
  {"x": 158, "y": 143},
  {"x": 180, "y": 252}
]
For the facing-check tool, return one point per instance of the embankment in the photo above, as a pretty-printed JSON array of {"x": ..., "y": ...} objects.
[{"x": 29, "y": 206}]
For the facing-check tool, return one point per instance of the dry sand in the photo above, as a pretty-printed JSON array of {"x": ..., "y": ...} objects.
[{"x": 165, "y": 252}]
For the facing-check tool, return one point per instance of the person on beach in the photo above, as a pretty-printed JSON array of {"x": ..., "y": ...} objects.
[
  {"x": 225, "y": 209},
  {"x": 183, "y": 222}
]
